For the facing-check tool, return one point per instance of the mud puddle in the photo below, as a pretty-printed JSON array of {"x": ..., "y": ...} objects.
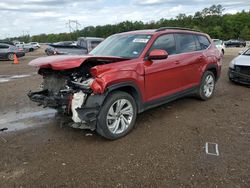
[
  {"x": 8, "y": 78},
  {"x": 18, "y": 121}
]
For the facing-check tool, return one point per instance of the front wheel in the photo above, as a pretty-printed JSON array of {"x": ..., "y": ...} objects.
[
  {"x": 207, "y": 86},
  {"x": 117, "y": 116}
]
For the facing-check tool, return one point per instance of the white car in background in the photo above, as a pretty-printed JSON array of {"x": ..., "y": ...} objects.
[
  {"x": 220, "y": 45},
  {"x": 35, "y": 44},
  {"x": 27, "y": 47},
  {"x": 239, "y": 68}
]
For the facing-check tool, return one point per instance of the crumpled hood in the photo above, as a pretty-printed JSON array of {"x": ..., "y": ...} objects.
[
  {"x": 63, "y": 62},
  {"x": 242, "y": 60}
]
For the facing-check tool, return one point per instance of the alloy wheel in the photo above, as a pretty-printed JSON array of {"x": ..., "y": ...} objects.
[
  {"x": 209, "y": 85},
  {"x": 119, "y": 116}
]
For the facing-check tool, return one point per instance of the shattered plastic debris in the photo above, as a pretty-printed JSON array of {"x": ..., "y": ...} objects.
[{"x": 88, "y": 134}]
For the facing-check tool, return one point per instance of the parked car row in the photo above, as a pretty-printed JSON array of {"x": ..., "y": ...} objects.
[{"x": 8, "y": 49}]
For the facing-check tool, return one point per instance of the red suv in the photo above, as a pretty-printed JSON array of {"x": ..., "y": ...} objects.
[{"x": 127, "y": 74}]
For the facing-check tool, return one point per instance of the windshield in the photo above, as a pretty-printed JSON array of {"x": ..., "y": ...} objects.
[
  {"x": 127, "y": 46},
  {"x": 247, "y": 52}
]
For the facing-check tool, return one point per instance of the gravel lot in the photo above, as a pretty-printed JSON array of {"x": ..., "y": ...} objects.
[{"x": 166, "y": 148}]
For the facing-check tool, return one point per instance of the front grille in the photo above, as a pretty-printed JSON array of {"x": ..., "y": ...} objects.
[
  {"x": 243, "y": 69},
  {"x": 54, "y": 83}
]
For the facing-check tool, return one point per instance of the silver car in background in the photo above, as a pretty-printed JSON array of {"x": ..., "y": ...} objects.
[
  {"x": 239, "y": 68},
  {"x": 7, "y": 51}
]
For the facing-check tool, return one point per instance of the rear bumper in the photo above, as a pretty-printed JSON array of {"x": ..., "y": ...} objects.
[
  {"x": 238, "y": 77},
  {"x": 20, "y": 54}
]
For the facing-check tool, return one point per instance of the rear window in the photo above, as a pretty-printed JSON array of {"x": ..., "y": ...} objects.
[
  {"x": 185, "y": 43},
  {"x": 204, "y": 42}
]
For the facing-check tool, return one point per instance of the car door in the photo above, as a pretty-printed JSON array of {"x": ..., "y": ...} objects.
[
  {"x": 191, "y": 57},
  {"x": 3, "y": 51},
  {"x": 163, "y": 77}
]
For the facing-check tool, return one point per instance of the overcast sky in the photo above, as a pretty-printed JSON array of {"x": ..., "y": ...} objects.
[{"x": 51, "y": 16}]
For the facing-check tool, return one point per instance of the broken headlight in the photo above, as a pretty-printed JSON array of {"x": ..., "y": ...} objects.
[
  {"x": 84, "y": 84},
  {"x": 231, "y": 65}
]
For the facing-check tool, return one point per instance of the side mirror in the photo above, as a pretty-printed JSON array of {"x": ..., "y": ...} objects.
[{"x": 157, "y": 55}]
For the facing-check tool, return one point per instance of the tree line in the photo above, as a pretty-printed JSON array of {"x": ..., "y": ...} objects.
[{"x": 210, "y": 20}]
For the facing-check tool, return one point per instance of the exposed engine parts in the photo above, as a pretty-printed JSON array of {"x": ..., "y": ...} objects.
[{"x": 67, "y": 91}]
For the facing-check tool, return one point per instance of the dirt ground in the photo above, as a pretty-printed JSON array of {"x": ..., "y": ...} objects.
[{"x": 165, "y": 149}]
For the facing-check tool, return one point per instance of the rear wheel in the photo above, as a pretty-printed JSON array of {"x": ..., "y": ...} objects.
[
  {"x": 10, "y": 56},
  {"x": 117, "y": 116},
  {"x": 207, "y": 86}
]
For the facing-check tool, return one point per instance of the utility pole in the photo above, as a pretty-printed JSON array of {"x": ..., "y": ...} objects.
[{"x": 73, "y": 25}]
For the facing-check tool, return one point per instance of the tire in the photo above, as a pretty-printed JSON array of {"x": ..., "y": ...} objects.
[
  {"x": 10, "y": 56},
  {"x": 31, "y": 50},
  {"x": 113, "y": 123},
  {"x": 222, "y": 51},
  {"x": 207, "y": 86}
]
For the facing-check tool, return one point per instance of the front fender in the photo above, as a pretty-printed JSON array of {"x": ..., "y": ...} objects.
[{"x": 101, "y": 84}]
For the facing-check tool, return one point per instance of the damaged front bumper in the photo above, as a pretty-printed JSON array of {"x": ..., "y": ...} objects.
[
  {"x": 238, "y": 77},
  {"x": 84, "y": 108}
]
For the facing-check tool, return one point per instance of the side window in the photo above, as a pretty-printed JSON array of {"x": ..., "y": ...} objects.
[
  {"x": 197, "y": 42},
  {"x": 3, "y": 46},
  {"x": 185, "y": 43},
  {"x": 204, "y": 42},
  {"x": 93, "y": 44},
  {"x": 165, "y": 42}
]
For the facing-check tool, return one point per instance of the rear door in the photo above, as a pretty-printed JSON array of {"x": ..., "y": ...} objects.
[
  {"x": 163, "y": 77},
  {"x": 191, "y": 58},
  {"x": 3, "y": 51}
]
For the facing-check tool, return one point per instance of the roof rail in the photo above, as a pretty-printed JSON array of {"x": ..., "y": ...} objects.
[{"x": 178, "y": 28}]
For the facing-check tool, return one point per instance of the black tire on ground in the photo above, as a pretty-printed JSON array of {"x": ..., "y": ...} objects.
[
  {"x": 112, "y": 98},
  {"x": 208, "y": 75},
  {"x": 10, "y": 56},
  {"x": 31, "y": 49}
]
